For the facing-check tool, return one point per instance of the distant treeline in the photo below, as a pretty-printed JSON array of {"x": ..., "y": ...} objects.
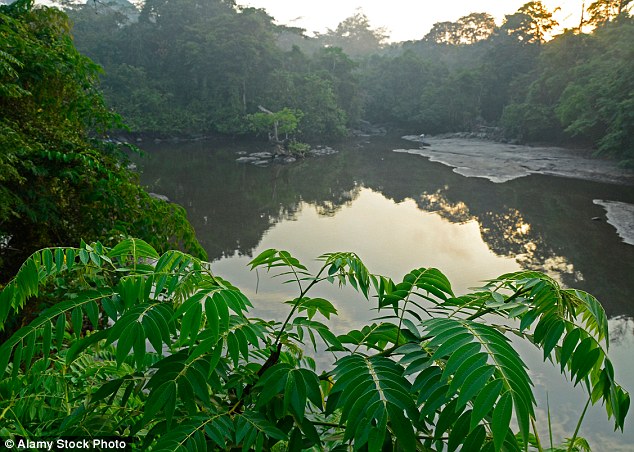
[{"x": 199, "y": 67}]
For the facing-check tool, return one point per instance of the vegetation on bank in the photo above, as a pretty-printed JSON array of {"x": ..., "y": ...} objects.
[
  {"x": 433, "y": 372},
  {"x": 203, "y": 67},
  {"x": 60, "y": 181}
]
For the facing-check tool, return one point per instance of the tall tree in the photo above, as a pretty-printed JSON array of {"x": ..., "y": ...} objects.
[
  {"x": 355, "y": 36},
  {"x": 444, "y": 33},
  {"x": 602, "y": 11},
  {"x": 531, "y": 23},
  {"x": 476, "y": 27}
]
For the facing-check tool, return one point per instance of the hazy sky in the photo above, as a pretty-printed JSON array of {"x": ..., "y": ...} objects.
[{"x": 404, "y": 19}]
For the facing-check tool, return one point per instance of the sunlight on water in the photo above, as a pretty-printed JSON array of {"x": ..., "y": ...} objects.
[{"x": 391, "y": 238}]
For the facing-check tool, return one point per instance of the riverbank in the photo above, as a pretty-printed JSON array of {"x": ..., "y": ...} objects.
[{"x": 502, "y": 162}]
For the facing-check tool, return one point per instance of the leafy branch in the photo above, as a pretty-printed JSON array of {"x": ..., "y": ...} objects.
[{"x": 165, "y": 350}]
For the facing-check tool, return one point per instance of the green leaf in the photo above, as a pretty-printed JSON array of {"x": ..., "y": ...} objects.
[
  {"x": 136, "y": 248},
  {"x": 485, "y": 401},
  {"x": 501, "y": 420},
  {"x": 47, "y": 335},
  {"x": 77, "y": 319},
  {"x": 125, "y": 342},
  {"x": 295, "y": 394},
  {"x": 357, "y": 378},
  {"x": 474, "y": 383},
  {"x": 163, "y": 397},
  {"x": 60, "y": 329},
  {"x": 81, "y": 345},
  {"x": 272, "y": 382},
  {"x": 47, "y": 259},
  {"x": 570, "y": 342},
  {"x": 191, "y": 322}
]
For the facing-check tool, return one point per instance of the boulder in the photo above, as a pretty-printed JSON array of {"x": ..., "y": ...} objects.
[{"x": 160, "y": 197}]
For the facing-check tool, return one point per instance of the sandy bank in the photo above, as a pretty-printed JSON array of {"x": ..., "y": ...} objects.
[{"x": 500, "y": 162}]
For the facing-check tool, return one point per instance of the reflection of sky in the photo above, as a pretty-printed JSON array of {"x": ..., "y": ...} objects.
[
  {"x": 507, "y": 233},
  {"x": 391, "y": 239},
  {"x": 394, "y": 238},
  {"x": 566, "y": 403}
]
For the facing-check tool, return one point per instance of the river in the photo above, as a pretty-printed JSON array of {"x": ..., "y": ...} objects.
[{"x": 398, "y": 212}]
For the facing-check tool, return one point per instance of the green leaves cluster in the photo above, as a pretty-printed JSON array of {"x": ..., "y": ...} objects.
[
  {"x": 285, "y": 121},
  {"x": 158, "y": 347},
  {"x": 60, "y": 179}
]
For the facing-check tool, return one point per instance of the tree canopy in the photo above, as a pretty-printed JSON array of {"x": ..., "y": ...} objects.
[
  {"x": 55, "y": 153},
  {"x": 203, "y": 67}
]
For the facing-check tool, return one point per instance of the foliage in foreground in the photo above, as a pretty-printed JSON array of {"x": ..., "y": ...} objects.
[{"x": 158, "y": 347}]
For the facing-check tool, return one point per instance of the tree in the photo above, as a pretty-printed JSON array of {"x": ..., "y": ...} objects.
[
  {"x": 355, "y": 36},
  {"x": 55, "y": 156},
  {"x": 530, "y": 24},
  {"x": 597, "y": 104},
  {"x": 467, "y": 30},
  {"x": 476, "y": 27},
  {"x": 431, "y": 373},
  {"x": 444, "y": 33},
  {"x": 602, "y": 11},
  {"x": 284, "y": 122},
  {"x": 333, "y": 64}
]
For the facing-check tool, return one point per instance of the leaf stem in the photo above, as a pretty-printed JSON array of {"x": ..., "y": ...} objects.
[
  {"x": 537, "y": 441},
  {"x": 302, "y": 294},
  {"x": 478, "y": 314},
  {"x": 583, "y": 414}
]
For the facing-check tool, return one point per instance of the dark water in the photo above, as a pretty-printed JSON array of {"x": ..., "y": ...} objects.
[{"x": 400, "y": 211}]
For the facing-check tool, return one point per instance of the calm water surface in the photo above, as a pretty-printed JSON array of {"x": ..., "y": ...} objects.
[{"x": 399, "y": 212}]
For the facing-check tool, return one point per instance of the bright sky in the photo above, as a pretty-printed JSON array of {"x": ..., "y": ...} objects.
[{"x": 404, "y": 19}]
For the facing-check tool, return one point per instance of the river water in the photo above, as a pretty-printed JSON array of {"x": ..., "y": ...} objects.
[{"x": 398, "y": 212}]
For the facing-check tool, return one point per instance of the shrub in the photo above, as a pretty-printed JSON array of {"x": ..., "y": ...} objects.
[{"x": 160, "y": 348}]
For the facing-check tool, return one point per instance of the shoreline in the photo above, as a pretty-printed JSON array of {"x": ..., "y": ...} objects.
[{"x": 502, "y": 162}]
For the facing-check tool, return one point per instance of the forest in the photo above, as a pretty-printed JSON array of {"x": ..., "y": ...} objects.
[
  {"x": 130, "y": 334},
  {"x": 204, "y": 67}
]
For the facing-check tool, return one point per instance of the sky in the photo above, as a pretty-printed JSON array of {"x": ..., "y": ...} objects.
[{"x": 404, "y": 19}]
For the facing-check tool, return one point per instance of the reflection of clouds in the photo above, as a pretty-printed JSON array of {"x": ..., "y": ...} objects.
[
  {"x": 438, "y": 203},
  {"x": 621, "y": 330},
  {"x": 507, "y": 233},
  {"x": 563, "y": 418}
]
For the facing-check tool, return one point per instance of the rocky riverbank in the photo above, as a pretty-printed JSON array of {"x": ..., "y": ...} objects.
[
  {"x": 502, "y": 162},
  {"x": 266, "y": 158}
]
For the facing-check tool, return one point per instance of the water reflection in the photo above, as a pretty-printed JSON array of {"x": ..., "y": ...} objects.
[
  {"x": 398, "y": 212},
  {"x": 507, "y": 232},
  {"x": 542, "y": 223}
]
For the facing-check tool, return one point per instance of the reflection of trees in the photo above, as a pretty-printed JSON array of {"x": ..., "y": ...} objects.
[
  {"x": 232, "y": 205},
  {"x": 544, "y": 222},
  {"x": 506, "y": 232},
  {"x": 437, "y": 202},
  {"x": 329, "y": 207}
]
